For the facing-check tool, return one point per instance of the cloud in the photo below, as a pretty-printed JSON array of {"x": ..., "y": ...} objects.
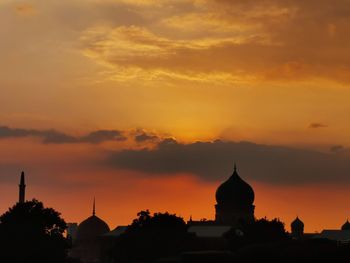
[
  {"x": 55, "y": 137},
  {"x": 25, "y": 9},
  {"x": 214, "y": 161},
  {"x": 134, "y": 52},
  {"x": 103, "y": 135},
  {"x": 202, "y": 40},
  {"x": 237, "y": 38},
  {"x": 337, "y": 148},
  {"x": 316, "y": 125},
  {"x": 143, "y": 137},
  {"x": 15, "y": 132}
]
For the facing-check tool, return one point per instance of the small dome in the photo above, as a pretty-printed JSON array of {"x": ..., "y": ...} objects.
[
  {"x": 91, "y": 228},
  {"x": 235, "y": 192},
  {"x": 297, "y": 223},
  {"x": 346, "y": 225}
]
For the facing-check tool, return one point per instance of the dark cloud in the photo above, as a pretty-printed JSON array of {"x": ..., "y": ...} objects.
[
  {"x": 145, "y": 137},
  {"x": 52, "y": 136},
  {"x": 15, "y": 132},
  {"x": 103, "y": 135},
  {"x": 316, "y": 125},
  {"x": 337, "y": 148},
  {"x": 55, "y": 137},
  {"x": 214, "y": 161}
]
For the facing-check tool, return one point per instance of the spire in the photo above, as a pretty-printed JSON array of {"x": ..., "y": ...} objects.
[
  {"x": 235, "y": 170},
  {"x": 22, "y": 189},
  {"x": 93, "y": 208}
]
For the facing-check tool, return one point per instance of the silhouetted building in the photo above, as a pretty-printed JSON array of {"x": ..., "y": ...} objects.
[
  {"x": 235, "y": 200},
  {"x": 341, "y": 236},
  {"x": 87, "y": 246},
  {"x": 72, "y": 229},
  {"x": 116, "y": 232},
  {"x": 234, "y": 207},
  {"x": 297, "y": 227},
  {"x": 346, "y": 225},
  {"x": 209, "y": 231},
  {"x": 22, "y": 189}
]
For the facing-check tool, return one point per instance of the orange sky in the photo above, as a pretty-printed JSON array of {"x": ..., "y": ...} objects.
[
  {"x": 67, "y": 178},
  {"x": 272, "y": 73},
  {"x": 119, "y": 201}
]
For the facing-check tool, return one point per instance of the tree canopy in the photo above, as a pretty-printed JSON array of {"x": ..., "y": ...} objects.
[
  {"x": 151, "y": 236},
  {"x": 260, "y": 231},
  {"x": 29, "y": 232}
]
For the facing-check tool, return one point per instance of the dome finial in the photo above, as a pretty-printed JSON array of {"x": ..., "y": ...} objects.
[
  {"x": 93, "y": 208},
  {"x": 235, "y": 167}
]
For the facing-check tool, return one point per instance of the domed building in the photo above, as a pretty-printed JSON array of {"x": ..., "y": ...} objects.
[
  {"x": 234, "y": 200},
  {"x": 87, "y": 245},
  {"x": 297, "y": 228},
  {"x": 346, "y": 225}
]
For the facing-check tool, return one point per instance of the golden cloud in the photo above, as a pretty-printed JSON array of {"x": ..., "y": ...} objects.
[
  {"x": 25, "y": 9},
  {"x": 277, "y": 40},
  {"x": 135, "y": 52}
]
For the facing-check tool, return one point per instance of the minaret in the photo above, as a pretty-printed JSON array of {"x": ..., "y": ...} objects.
[
  {"x": 93, "y": 208},
  {"x": 22, "y": 189}
]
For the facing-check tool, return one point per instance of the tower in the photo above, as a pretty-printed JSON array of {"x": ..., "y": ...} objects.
[
  {"x": 297, "y": 227},
  {"x": 234, "y": 200},
  {"x": 22, "y": 189}
]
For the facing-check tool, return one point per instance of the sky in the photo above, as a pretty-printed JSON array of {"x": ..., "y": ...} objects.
[{"x": 147, "y": 104}]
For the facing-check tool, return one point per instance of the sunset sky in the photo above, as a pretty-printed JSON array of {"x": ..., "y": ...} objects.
[{"x": 146, "y": 104}]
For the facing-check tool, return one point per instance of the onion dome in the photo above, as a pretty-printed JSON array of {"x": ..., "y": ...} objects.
[
  {"x": 92, "y": 227},
  {"x": 297, "y": 223},
  {"x": 235, "y": 192},
  {"x": 346, "y": 225}
]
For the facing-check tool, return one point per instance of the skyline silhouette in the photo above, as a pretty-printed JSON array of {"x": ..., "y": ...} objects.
[
  {"x": 161, "y": 235},
  {"x": 145, "y": 104},
  {"x": 234, "y": 199}
]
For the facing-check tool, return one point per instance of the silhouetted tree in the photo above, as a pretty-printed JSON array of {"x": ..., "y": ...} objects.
[
  {"x": 151, "y": 237},
  {"x": 31, "y": 233},
  {"x": 260, "y": 231}
]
